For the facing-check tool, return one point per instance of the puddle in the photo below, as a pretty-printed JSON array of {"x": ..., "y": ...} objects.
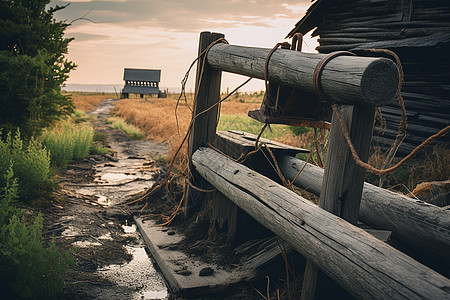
[
  {"x": 111, "y": 177},
  {"x": 107, "y": 236},
  {"x": 151, "y": 295},
  {"x": 139, "y": 274},
  {"x": 85, "y": 244},
  {"x": 129, "y": 229},
  {"x": 103, "y": 200}
]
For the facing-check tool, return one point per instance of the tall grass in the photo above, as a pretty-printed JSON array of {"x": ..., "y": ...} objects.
[
  {"x": 30, "y": 163},
  {"x": 68, "y": 141}
]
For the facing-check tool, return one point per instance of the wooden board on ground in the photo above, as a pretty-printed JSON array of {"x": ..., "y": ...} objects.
[{"x": 174, "y": 263}]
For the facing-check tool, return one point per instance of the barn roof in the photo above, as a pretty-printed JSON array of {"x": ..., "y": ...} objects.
[
  {"x": 142, "y": 75},
  {"x": 378, "y": 23}
]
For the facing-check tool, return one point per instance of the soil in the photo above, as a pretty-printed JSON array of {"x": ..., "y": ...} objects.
[{"x": 91, "y": 217}]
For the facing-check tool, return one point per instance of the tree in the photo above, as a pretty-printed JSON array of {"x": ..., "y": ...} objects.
[{"x": 32, "y": 66}]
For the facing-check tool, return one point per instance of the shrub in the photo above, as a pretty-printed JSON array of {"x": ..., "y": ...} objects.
[
  {"x": 31, "y": 165},
  {"x": 68, "y": 141},
  {"x": 29, "y": 268}
]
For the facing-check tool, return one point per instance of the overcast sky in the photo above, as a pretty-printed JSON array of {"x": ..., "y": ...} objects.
[{"x": 163, "y": 34}]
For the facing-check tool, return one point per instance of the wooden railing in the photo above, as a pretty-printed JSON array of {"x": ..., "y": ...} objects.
[{"x": 325, "y": 235}]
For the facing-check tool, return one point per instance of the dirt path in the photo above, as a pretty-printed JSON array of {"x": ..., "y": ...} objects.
[{"x": 111, "y": 260}]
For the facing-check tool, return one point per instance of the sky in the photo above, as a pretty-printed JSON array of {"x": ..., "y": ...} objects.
[{"x": 163, "y": 34}]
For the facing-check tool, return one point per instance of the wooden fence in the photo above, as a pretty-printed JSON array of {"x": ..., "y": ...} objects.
[{"x": 325, "y": 235}]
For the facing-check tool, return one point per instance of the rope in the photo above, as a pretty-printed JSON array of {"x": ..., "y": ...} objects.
[
  {"x": 401, "y": 135},
  {"x": 169, "y": 175},
  {"x": 374, "y": 170}
]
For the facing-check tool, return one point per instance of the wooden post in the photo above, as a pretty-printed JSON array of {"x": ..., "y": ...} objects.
[
  {"x": 207, "y": 93},
  {"x": 343, "y": 180}
]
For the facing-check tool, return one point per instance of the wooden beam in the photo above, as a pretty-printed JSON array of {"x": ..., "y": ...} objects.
[
  {"x": 207, "y": 93},
  {"x": 413, "y": 222},
  {"x": 345, "y": 79},
  {"x": 363, "y": 265}
]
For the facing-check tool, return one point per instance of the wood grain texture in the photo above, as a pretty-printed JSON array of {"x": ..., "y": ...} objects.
[
  {"x": 415, "y": 223},
  {"x": 363, "y": 265},
  {"x": 345, "y": 79},
  {"x": 207, "y": 93},
  {"x": 343, "y": 179}
]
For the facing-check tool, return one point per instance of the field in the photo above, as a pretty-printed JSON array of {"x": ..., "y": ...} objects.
[
  {"x": 86, "y": 101},
  {"x": 165, "y": 121},
  {"x": 157, "y": 118}
]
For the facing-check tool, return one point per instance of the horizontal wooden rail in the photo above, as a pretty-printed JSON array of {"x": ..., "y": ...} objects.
[
  {"x": 415, "y": 223},
  {"x": 345, "y": 79},
  {"x": 363, "y": 265}
]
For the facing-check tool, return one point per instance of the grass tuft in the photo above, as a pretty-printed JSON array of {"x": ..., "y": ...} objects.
[{"x": 131, "y": 131}]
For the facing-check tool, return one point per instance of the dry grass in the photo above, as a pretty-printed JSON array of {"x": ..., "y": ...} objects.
[
  {"x": 156, "y": 118},
  {"x": 88, "y": 101}
]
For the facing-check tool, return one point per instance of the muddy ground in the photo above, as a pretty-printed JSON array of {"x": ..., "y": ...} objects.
[{"x": 91, "y": 217}]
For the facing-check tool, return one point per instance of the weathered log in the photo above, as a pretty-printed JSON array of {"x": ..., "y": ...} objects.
[
  {"x": 363, "y": 265},
  {"x": 413, "y": 222},
  {"x": 345, "y": 79}
]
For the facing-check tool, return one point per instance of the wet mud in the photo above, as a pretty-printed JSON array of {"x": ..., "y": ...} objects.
[{"x": 92, "y": 218}]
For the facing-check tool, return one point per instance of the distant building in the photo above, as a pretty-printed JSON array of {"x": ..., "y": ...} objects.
[{"x": 142, "y": 82}]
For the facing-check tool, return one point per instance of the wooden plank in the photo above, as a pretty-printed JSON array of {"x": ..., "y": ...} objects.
[
  {"x": 207, "y": 93},
  {"x": 182, "y": 271},
  {"x": 345, "y": 79},
  {"x": 413, "y": 222},
  {"x": 246, "y": 142},
  {"x": 363, "y": 265}
]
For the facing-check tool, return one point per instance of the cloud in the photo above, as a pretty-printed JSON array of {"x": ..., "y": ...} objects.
[
  {"x": 179, "y": 15},
  {"x": 163, "y": 34}
]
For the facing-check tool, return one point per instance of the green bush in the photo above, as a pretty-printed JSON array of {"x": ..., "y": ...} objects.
[
  {"x": 29, "y": 269},
  {"x": 31, "y": 166},
  {"x": 68, "y": 141}
]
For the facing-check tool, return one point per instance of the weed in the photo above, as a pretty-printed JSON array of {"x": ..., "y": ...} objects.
[
  {"x": 30, "y": 163},
  {"x": 131, "y": 131},
  {"x": 100, "y": 136},
  {"x": 161, "y": 160},
  {"x": 68, "y": 141},
  {"x": 99, "y": 150},
  {"x": 29, "y": 268}
]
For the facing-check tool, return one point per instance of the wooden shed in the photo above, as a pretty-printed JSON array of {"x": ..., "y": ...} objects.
[
  {"x": 141, "y": 81},
  {"x": 418, "y": 31}
]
